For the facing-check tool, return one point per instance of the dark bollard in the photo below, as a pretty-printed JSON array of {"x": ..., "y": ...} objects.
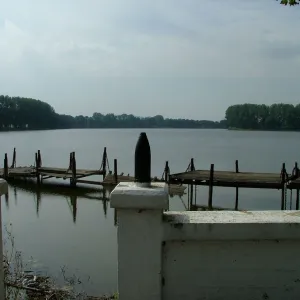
[{"x": 142, "y": 160}]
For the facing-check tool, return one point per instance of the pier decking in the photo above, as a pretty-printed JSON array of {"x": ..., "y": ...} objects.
[
  {"x": 229, "y": 179},
  {"x": 178, "y": 182}
]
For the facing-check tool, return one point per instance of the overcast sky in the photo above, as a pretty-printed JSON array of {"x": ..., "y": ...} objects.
[{"x": 190, "y": 58}]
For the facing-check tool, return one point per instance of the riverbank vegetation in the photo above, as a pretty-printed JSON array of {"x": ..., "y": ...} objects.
[
  {"x": 263, "y": 117},
  {"x": 29, "y": 114},
  {"x": 18, "y": 113}
]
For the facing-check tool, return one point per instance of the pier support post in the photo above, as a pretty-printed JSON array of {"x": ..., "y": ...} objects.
[
  {"x": 37, "y": 169},
  {"x": 192, "y": 165},
  {"x": 236, "y": 189},
  {"x": 167, "y": 172},
  {"x": 116, "y": 171},
  {"x": 13, "y": 163},
  {"x": 73, "y": 169},
  {"x": 211, "y": 186},
  {"x": 5, "y": 175},
  {"x": 3, "y": 191},
  {"x": 140, "y": 207},
  {"x": 39, "y": 158},
  {"x": 297, "y": 190},
  {"x": 104, "y": 159},
  {"x": 283, "y": 177}
]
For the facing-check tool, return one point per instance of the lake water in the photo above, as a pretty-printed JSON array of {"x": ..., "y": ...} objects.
[{"x": 59, "y": 231}]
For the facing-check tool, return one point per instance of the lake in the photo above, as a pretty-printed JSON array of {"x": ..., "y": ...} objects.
[{"x": 64, "y": 233}]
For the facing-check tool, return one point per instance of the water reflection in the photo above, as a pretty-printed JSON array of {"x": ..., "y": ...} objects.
[{"x": 71, "y": 195}]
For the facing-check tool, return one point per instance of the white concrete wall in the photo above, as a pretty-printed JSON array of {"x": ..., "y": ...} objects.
[
  {"x": 203, "y": 255},
  {"x": 3, "y": 191},
  {"x": 231, "y": 255}
]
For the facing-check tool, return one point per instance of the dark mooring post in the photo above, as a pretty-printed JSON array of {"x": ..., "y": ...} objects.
[
  {"x": 104, "y": 159},
  {"x": 236, "y": 189},
  {"x": 116, "y": 171},
  {"x": 192, "y": 165},
  {"x": 70, "y": 161},
  {"x": 37, "y": 172},
  {"x": 5, "y": 166},
  {"x": 142, "y": 159},
  {"x": 167, "y": 172},
  {"x": 13, "y": 163},
  {"x": 73, "y": 169},
  {"x": 297, "y": 191},
  {"x": 283, "y": 175},
  {"x": 191, "y": 195},
  {"x": 211, "y": 185},
  {"x": 39, "y": 158}
]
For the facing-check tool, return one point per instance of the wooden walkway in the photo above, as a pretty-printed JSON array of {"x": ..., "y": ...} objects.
[
  {"x": 40, "y": 173},
  {"x": 214, "y": 178},
  {"x": 229, "y": 179}
]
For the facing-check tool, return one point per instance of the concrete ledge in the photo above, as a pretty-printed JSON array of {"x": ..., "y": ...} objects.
[
  {"x": 236, "y": 217},
  {"x": 3, "y": 187},
  {"x": 218, "y": 226},
  {"x": 129, "y": 195}
]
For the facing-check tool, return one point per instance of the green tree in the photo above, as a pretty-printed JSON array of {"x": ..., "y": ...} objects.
[{"x": 289, "y": 2}]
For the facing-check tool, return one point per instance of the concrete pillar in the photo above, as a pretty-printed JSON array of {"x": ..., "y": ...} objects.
[
  {"x": 140, "y": 232},
  {"x": 3, "y": 191}
]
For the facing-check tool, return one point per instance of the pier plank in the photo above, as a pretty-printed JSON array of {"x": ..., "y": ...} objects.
[{"x": 229, "y": 179}]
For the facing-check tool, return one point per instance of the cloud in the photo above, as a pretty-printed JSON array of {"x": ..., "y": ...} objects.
[{"x": 127, "y": 51}]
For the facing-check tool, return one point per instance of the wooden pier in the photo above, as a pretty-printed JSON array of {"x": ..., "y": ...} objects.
[
  {"x": 178, "y": 182},
  {"x": 40, "y": 173},
  {"x": 236, "y": 179}
]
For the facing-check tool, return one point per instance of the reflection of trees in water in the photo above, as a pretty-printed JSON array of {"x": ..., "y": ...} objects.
[{"x": 64, "y": 191}]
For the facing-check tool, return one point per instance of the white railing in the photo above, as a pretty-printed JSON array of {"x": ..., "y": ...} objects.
[{"x": 203, "y": 255}]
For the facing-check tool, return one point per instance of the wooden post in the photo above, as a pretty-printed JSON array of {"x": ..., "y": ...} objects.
[
  {"x": 104, "y": 159},
  {"x": 116, "y": 171},
  {"x": 192, "y": 165},
  {"x": 191, "y": 195},
  {"x": 39, "y": 158},
  {"x": 211, "y": 185},
  {"x": 297, "y": 191},
  {"x": 167, "y": 172},
  {"x": 71, "y": 161},
  {"x": 283, "y": 172},
  {"x": 236, "y": 189},
  {"x": 37, "y": 169},
  {"x": 5, "y": 167},
  {"x": 13, "y": 164},
  {"x": 73, "y": 169}
]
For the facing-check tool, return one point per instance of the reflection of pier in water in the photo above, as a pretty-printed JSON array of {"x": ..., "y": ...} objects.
[{"x": 71, "y": 195}]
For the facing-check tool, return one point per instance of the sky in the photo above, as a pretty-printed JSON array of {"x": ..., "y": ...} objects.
[{"x": 180, "y": 59}]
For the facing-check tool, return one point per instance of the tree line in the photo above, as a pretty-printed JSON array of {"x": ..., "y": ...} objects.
[
  {"x": 18, "y": 113},
  {"x": 263, "y": 117}
]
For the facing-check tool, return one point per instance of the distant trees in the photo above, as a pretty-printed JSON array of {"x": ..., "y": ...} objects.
[
  {"x": 24, "y": 113},
  {"x": 289, "y": 2},
  {"x": 263, "y": 117}
]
